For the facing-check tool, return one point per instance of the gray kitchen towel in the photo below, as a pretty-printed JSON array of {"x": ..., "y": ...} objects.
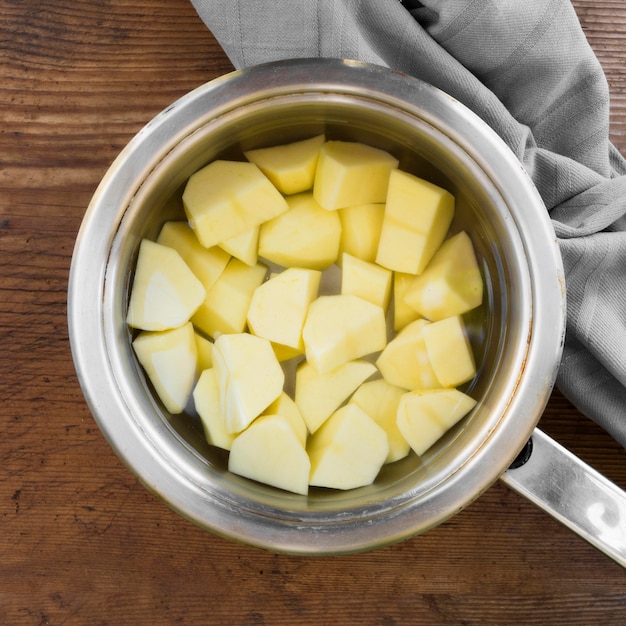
[{"x": 525, "y": 67}]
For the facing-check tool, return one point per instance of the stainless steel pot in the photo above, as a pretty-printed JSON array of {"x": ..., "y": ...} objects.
[{"x": 523, "y": 320}]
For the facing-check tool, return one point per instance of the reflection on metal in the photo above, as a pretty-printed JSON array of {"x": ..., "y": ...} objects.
[{"x": 573, "y": 493}]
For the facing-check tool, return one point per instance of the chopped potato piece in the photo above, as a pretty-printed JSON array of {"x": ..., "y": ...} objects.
[
  {"x": 291, "y": 167},
  {"x": 279, "y": 306},
  {"x": 348, "y": 450},
  {"x": 404, "y": 362},
  {"x": 244, "y": 247},
  {"x": 269, "y": 451},
  {"x": 417, "y": 217},
  {"x": 249, "y": 376},
  {"x": 380, "y": 401},
  {"x": 318, "y": 396},
  {"x": 424, "y": 416},
  {"x": 366, "y": 280},
  {"x": 205, "y": 352},
  {"x": 165, "y": 292},
  {"x": 451, "y": 284},
  {"x": 169, "y": 358},
  {"x": 227, "y": 198},
  {"x": 206, "y": 263},
  {"x": 226, "y": 305},
  {"x": 351, "y": 173},
  {"x": 287, "y": 408},
  {"x": 306, "y": 236},
  {"x": 403, "y": 314},
  {"x": 449, "y": 351},
  {"x": 342, "y": 328},
  {"x": 360, "y": 230},
  {"x": 206, "y": 397}
]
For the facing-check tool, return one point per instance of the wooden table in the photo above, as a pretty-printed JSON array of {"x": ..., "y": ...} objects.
[{"x": 81, "y": 541}]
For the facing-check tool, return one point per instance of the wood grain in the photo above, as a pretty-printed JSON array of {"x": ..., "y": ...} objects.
[{"x": 81, "y": 540}]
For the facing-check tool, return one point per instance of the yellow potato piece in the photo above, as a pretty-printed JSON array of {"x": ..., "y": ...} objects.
[
  {"x": 342, "y": 328},
  {"x": 291, "y": 167},
  {"x": 249, "y": 377},
  {"x": 366, "y": 280},
  {"x": 285, "y": 353},
  {"x": 318, "y": 396},
  {"x": 449, "y": 351},
  {"x": 424, "y": 416},
  {"x": 165, "y": 292},
  {"x": 360, "y": 230},
  {"x": 418, "y": 215},
  {"x": 405, "y": 361},
  {"x": 269, "y": 451},
  {"x": 226, "y": 305},
  {"x": 245, "y": 246},
  {"x": 206, "y": 397},
  {"x": 348, "y": 450},
  {"x": 279, "y": 306},
  {"x": 227, "y": 198},
  {"x": 206, "y": 263},
  {"x": 380, "y": 401},
  {"x": 451, "y": 284},
  {"x": 305, "y": 236},
  {"x": 169, "y": 358},
  {"x": 287, "y": 408},
  {"x": 403, "y": 314},
  {"x": 351, "y": 173},
  {"x": 205, "y": 352}
]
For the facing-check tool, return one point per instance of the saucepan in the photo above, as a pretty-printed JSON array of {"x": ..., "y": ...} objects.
[{"x": 521, "y": 322}]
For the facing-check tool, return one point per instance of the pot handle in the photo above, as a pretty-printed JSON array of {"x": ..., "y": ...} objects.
[{"x": 572, "y": 492}]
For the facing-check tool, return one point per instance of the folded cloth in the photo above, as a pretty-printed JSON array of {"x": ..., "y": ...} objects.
[{"x": 525, "y": 67}]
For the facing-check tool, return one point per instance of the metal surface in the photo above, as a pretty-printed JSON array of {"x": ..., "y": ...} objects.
[
  {"x": 573, "y": 493},
  {"x": 518, "y": 334}
]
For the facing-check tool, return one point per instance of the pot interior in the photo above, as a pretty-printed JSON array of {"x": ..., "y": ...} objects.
[{"x": 499, "y": 329}]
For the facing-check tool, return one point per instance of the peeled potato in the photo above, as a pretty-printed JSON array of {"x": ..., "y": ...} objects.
[
  {"x": 165, "y": 292},
  {"x": 417, "y": 217},
  {"x": 169, "y": 358}
]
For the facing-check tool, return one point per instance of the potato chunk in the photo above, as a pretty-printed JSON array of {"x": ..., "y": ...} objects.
[
  {"x": 424, "y": 416},
  {"x": 279, "y": 306},
  {"x": 380, "y": 401},
  {"x": 351, "y": 173},
  {"x": 206, "y": 263},
  {"x": 306, "y": 236},
  {"x": 366, "y": 280},
  {"x": 318, "y": 396},
  {"x": 269, "y": 451},
  {"x": 287, "y": 408},
  {"x": 291, "y": 167},
  {"x": 249, "y": 377},
  {"x": 205, "y": 352},
  {"x": 206, "y": 397},
  {"x": 169, "y": 358},
  {"x": 405, "y": 363},
  {"x": 348, "y": 450},
  {"x": 449, "y": 351},
  {"x": 403, "y": 314},
  {"x": 165, "y": 292},
  {"x": 451, "y": 284},
  {"x": 244, "y": 247},
  {"x": 418, "y": 215},
  {"x": 227, "y": 198},
  {"x": 226, "y": 305},
  {"x": 360, "y": 230},
  {"x": 342, "y": 328}
]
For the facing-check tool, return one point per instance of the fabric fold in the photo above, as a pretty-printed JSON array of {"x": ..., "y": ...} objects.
[{"x": 526, "y": 68}]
